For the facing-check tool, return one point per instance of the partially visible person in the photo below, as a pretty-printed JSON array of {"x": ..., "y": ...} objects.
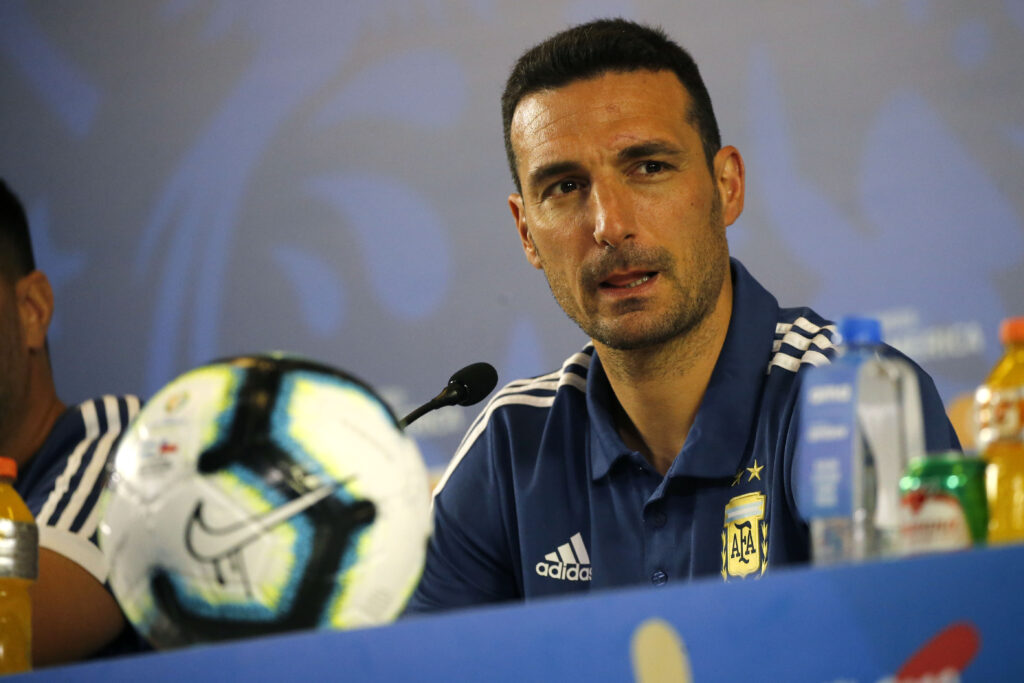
[{"x": 61, "y": 454}]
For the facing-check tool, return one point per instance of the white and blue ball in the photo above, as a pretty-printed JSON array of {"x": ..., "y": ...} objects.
[{"x": 263, "y": 494}]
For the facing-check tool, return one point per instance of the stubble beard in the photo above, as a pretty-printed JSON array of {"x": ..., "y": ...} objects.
[{"x": 633, "y": 328}]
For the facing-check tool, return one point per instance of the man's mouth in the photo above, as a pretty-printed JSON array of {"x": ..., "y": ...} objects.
[{"x": 628, "y": 280}]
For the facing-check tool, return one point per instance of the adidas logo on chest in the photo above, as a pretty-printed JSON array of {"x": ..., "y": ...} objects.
[{"x": 569, "y": 562}]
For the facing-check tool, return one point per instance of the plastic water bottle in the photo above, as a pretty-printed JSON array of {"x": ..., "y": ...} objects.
[
  {"x": 19, "y": 566},
  {"x": 860, "y": 423},
  {"x": 999, "y": 406}
]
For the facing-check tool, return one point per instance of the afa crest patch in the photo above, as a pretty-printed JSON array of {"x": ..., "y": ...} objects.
[{"x": 744, "y": 537}]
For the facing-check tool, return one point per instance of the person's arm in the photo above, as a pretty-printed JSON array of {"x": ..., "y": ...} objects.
[
  {"x": 939, "y": 434},
  {"x": 460, "y": 571},
  {"x": 470, "y": 558},
  {"x": 73, "y": 614}
]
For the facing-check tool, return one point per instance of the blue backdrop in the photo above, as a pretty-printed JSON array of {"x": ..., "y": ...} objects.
[{"x": 207, "y": 178}]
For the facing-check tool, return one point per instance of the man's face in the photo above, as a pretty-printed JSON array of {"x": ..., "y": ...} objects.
[
  {"x": 13, "y": 364},
  {"x": 619, "y": 208}
]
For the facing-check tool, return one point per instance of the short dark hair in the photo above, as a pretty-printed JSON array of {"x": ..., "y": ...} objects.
[
  {"x": 16, "y": 259},
  {"x": 597, "y": 47}
]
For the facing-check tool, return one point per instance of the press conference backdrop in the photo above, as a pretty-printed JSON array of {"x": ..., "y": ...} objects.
[{"x": 212, "y": 177}]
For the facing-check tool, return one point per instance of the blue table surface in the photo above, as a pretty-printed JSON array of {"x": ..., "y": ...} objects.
[{"x": 854, "y": 623}]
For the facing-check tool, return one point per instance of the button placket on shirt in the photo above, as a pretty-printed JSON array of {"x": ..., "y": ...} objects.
[{"x": 655, "y": 520}]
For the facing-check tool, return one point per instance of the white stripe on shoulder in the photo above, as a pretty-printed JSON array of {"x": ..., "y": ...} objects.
[
  {"x": 521, "y": 387},
  {"x": 803, "y": 343},
  {"x": 61, "y": 483},
  {"x": 548, "y": 381},
  {"x": 515, "y": 393},
  {"x": 792, "y": 364},
  {"x": 551, "y": 381},
  {"x": 518, "y": 387},
  {"x": 132, "y": 404},
  {"x": 799, "y": 341},
  {"x": 96, "y": 467},
  {"x": 804, "y": 324},
  {"x": 481, "y": 423},
  {"x": 580, "y": 358}
]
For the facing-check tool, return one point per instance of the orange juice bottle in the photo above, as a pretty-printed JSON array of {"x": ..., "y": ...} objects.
[
  {"x": 999, "y": 409},
  {"x": 19, "y": 553}
]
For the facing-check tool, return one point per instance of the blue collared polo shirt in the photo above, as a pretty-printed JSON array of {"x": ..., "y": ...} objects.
[{"x": 544, "y": 498}]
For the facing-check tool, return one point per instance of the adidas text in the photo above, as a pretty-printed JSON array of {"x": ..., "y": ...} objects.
[{"x": 565, "y": 572}]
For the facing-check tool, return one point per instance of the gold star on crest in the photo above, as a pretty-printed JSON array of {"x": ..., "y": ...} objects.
[
  {"x": 755, "y": 471},
  {"x": 739, "y": 475}
]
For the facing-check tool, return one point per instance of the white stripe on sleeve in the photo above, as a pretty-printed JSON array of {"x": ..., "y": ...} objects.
[
  {"x": 60, "y": 485},
  {"x": 93, "y": 520},
  {"x": 94, "y": 470}
]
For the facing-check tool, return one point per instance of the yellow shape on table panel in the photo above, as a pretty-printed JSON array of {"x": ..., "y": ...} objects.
[{"x": 659, "y": 654}]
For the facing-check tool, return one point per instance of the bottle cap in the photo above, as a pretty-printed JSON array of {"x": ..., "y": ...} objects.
[
  {"x": 8, "y": 468},
  {"x": 856, "y": 330},
  {"x": 1012, "y": 331}
]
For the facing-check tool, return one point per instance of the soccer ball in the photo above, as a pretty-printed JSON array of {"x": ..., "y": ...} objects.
[{"x": 262, "y": 494}]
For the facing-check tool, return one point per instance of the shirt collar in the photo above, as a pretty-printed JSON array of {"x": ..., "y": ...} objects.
[{"x": 718, "y": 439}]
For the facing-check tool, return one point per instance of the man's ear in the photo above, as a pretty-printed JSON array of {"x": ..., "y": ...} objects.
[
  {"x": 515, "y": 204},
  {"x": 35, "y": 308},
  {"x": 730, "y": 179}
]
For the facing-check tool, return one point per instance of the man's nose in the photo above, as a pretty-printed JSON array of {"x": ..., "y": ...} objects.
[{"x": 613, "y": 216}]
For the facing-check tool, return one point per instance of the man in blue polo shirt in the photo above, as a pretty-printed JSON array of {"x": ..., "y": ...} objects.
[{"x": 628, "y": 465}]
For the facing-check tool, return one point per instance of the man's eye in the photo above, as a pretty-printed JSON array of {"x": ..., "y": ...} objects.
[
  {"x": 649, "y": 167},
  {"x": 564, "y": 187}
]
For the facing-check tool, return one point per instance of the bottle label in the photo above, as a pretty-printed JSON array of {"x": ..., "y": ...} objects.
[
  {"x": 932, "y": 522},
  {"x": 1000, "y": 415},
  {"x": 19, "y": 549},
  {"x": 828, "y": 483}
]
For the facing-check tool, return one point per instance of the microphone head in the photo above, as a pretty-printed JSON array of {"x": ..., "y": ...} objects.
[{"x": 473, "y": 382}]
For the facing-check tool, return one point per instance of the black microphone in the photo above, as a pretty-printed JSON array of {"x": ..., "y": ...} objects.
[{"x": 467, "y": 386}]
